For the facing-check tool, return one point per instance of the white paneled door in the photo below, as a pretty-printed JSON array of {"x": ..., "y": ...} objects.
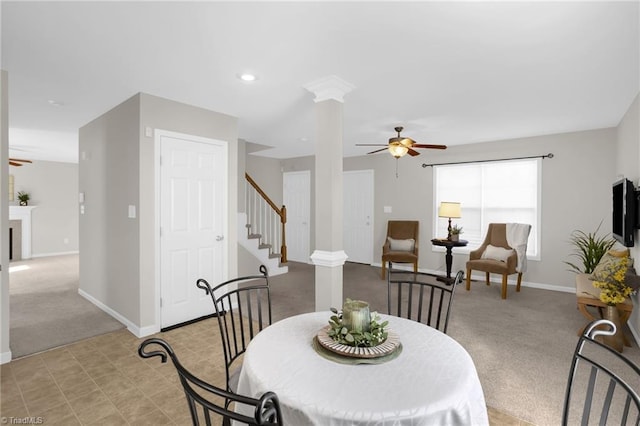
[
  {"x": 193, "y": 200},
  {"x": 357, "y": 230},
  {"x": 297, "y": 199}
]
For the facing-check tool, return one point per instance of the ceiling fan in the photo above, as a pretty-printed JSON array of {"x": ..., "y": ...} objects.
[
  {"x": 17, "y": 162},
  {"x": 399, "y": 146}
]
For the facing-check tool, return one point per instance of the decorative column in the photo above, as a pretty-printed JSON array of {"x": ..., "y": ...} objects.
[{"x": 328, "y": 256}]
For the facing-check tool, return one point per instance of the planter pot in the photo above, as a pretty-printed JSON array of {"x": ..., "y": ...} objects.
[
  {"x": 24, "y": 203},
  {"x": 455, "y": 237},
  {"x": 616, "y": 341}
]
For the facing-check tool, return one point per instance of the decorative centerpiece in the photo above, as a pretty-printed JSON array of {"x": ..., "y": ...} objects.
[
  {"x": 356, "y": 326},
  {"x": 356, "y": 332}
]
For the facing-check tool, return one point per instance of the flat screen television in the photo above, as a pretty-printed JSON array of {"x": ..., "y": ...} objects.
[{"x": 624, "y": 212}]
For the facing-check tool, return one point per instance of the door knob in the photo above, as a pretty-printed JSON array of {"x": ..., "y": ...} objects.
[{"x": 219, "y": 238}]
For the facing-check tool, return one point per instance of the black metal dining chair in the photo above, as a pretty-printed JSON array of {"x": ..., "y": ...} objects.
[
  {"x": 603, "y": 384},
  {"x": 202, "y": 396},
  {"x": 421, "y": 297},
  {"x": 243, "y": 308}
]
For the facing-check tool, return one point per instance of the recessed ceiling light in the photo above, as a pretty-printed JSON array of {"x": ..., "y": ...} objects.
[
  {"x": 247, "y": 77},
  {"x": 55, "y": 103}
]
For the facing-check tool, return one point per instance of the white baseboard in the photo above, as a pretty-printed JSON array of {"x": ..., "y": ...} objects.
[
  {"x": 62, "y": 253},
  {"x": 144, "y": 331},
  {"x": 130, "y": 325},
  {"x": 511, "y": 282},
  {"x": 5, "y": 357}
]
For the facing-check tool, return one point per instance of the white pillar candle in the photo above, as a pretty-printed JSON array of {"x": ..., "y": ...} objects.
[{"x": 356, "y": 316}]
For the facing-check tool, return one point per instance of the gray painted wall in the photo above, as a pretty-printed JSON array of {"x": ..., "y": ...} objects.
[
  {"x": 117, "y": 169},
  {"x": 628, "y": 165},
  {"x": 53, "y": 187},
  {"x": 109, "y": 178}
]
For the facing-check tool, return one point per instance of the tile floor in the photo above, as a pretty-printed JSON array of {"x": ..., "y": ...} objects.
[{"x": 103, "y": 381}]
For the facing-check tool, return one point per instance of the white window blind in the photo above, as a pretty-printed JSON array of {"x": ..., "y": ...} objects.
[{"x": 490, "y": 192}]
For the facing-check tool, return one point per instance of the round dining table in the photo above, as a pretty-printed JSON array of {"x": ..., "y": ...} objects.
[{"x": 431, "y": 381}]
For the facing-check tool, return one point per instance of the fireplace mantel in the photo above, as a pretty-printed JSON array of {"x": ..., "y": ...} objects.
[{"x": 23, "y": 214}]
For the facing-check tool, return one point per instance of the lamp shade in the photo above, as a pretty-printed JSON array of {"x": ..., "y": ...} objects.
[
  {"x": 449, "y": 209},
  {"x": 397, "y": 149}
]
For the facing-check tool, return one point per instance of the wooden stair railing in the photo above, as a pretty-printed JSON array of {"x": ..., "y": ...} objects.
[{"x": 262, "y": 214}]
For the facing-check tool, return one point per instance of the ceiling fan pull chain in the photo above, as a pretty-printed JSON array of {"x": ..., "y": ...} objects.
[{"x": 396, "y": 167}]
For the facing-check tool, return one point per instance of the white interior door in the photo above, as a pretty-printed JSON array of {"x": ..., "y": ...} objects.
[
  {"x": 297, "y": 199},
  {"x": 357, "y": 220},
  {"x": 193, "y": 200}
]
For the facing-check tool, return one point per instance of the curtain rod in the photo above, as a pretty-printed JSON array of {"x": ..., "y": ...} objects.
[{"x": 549, "y": 155}]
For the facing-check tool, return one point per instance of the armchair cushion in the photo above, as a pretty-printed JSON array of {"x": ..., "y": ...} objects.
[
  {"x": 497, "y": 253},
  {"x": 401, "y": 245}
]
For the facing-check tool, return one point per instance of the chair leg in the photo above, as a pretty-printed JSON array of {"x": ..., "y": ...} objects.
[
  {"x": 384, "y": 270},
  {"x": 487, "y": 278},
  {"x": 415, "y": 267},
  {"x": 468, "y": 279},
  {"x": 504, "y": 286},
  {"x": 519, "y": 281}
]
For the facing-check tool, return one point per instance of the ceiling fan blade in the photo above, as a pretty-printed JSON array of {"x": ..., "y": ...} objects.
[
  {"x": 13, "y": 163},
  {"x": 20, "y": 160},
  {"x": 377, "y": 150},
  {"x": 421, "y": 145},
  {"x": 370, "y": 144},
  {"x": 413, "y": 152}
]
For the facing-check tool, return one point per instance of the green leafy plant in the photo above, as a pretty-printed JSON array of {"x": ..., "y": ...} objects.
[
  {"x": 23, "y": 196},
  {"x": 376, "y": 335},
  {"x": 456, "y": 230},
  {"x": 589, "y": 249}
]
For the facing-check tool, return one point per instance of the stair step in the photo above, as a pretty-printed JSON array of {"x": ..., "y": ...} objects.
[
  {"x": 274, "y": 255},
  {"x": 264, "y": 246},
  {"x": 254, "y": 236}
]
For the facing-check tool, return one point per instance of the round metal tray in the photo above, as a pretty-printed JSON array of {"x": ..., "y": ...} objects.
[{"x": 385, "y": 348}]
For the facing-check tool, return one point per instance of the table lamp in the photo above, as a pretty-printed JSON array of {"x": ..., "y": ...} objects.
[{"x": 449, "y": 210}]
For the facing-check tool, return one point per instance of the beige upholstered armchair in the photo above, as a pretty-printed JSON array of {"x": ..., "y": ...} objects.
[
  {"x": 401, "y": 244},
  {"x": 504, "y": 252}
]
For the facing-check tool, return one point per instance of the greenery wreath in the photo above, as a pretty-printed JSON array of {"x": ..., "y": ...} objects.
[{"x": 376, "y": 334}]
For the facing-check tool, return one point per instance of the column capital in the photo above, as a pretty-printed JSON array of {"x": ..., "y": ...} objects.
[
  {"x": 328, "y": 258},
  {"x": 330, "y": 87}
]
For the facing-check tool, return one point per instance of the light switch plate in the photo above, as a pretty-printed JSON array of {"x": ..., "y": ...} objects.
[
  {"x": 387, "y": 209},
  {"x": 132, "y": 212}
]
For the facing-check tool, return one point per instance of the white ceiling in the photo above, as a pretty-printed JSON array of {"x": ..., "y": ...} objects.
[{"x": 449, "y": 72}]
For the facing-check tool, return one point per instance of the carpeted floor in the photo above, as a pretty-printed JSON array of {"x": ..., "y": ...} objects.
[{"x": 46, "y": 310}]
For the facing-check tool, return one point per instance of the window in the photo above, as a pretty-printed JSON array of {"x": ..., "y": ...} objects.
[{"x": 496, "y": 191}]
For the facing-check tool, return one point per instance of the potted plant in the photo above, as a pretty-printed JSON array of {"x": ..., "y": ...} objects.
[
  {"x": 455, "y": 232},
  {"x": 589, "y": 249},
  {"x": 24, "y": 198}
]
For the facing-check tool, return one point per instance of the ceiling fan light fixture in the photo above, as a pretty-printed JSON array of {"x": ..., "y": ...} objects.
[
  {"x": 398, "y": 150},
  {"x": 406, "y": 142}
]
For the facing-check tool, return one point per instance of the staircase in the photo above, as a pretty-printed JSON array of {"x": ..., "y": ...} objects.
[
  {"x": 261, "y": 230},
  {"x": 263, "y": 252}
]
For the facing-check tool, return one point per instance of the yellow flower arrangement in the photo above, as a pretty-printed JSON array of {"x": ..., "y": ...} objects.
[{"x": 611, "y": 282}]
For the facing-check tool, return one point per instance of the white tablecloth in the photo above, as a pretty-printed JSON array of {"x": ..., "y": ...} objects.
[{"x": 432, "y": 382}]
